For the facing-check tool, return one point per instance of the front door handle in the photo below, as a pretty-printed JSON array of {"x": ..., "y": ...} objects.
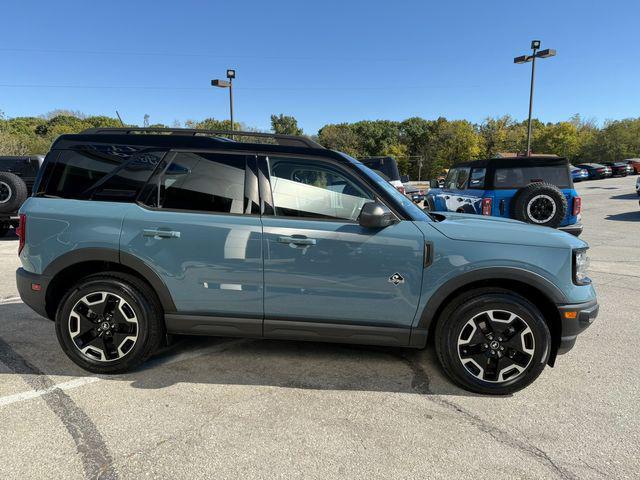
[
  {"x": 297, "y": 240},
  {"x": 158, "y": 233}
]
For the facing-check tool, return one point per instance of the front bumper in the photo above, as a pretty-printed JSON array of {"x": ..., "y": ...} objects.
[
  {"x": 33, "y": 298},
  {"x": 575, "y": 229},
  {"x": 575, "y": 319}
]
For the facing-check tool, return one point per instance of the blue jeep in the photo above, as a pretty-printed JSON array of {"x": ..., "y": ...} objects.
[
  {"x": 536, "y": 190},
  {"x": 133, "y": 235}
]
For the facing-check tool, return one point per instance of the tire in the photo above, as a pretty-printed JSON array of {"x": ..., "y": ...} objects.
[
  {"x": 486, "y": 364},
  {"x": 137, "y": 316},
  {"x": 13, "y": 192},
  {"x": 540, "y": 204},
  {"x": 429, "y": 205}
]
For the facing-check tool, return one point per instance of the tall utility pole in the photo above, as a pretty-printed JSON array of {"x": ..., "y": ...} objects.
[{"x": 549, "y": 52}]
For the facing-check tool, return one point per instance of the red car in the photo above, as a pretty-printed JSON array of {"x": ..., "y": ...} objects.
[{"x": 634, "y": 163}]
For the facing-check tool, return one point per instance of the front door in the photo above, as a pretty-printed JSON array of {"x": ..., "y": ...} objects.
[
  {"x": 321, "y": 266},
  {"x": 197, "y": 231}
]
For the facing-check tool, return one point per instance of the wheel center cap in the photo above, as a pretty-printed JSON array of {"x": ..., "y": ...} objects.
[
  {"x": 494, "y": 345},
  {"x": 105, "y": 325}
]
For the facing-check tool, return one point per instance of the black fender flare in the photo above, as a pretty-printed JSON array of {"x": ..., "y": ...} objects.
[
  {"x": 93, "y": 254},
  {"x": 550, "y": 290}
]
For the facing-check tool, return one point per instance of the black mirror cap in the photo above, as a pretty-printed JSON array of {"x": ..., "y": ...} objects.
[
  {"x": 434, "y": 183},
  {"x": 375, "y": 215},
  {"x": 404, "y": 178}
]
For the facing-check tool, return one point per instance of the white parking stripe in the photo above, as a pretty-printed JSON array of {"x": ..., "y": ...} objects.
[
  {"x": 79, "y": 382},
  {"x": 20, "y": 397}
]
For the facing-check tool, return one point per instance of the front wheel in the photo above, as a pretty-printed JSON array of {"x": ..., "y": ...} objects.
[
  {"x": 109, "y": 323},
  {"x": 492, "y": 341}
]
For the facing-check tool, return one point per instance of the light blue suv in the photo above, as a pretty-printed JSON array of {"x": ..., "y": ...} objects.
[{"x": 132, "y": 235}]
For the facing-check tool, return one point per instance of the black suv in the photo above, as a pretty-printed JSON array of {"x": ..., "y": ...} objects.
[{"x": 17, "y": 176}]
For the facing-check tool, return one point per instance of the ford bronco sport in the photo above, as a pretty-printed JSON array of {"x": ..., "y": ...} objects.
[{"x": 132, "y": 235}]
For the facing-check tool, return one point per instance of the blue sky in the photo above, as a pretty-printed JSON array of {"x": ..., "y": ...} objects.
[{"x": 323, "y": 62}]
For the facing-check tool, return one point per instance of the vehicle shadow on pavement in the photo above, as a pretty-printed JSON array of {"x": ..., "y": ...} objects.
[
  {"x": 625, "y": 217},
  {"x": 232, "y": 361},
  {"x": 626, "y": 196}
]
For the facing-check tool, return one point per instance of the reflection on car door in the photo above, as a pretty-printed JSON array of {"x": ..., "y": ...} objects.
[{"x": 321, "y": 266}]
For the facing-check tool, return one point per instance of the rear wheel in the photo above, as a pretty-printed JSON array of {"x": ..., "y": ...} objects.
[
  {"x": 492, "y": 341},
  {"x": 109, "y": 323}
]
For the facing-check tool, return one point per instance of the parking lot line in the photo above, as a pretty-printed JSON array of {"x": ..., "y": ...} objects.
[{"x": 22, "y": 396}]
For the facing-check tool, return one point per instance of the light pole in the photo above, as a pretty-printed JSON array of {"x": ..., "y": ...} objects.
[
  {"x": 549, "y": 52},
  {"x": 231, "y": 74}
]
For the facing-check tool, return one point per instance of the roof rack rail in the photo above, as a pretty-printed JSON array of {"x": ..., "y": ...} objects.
[{"x": 289, "y": 140}]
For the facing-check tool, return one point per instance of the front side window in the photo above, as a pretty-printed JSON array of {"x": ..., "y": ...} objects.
[
  {"x": 461, "y": 179},
  {"x": 314, "y": 189},
  {"x": 450, "y": 181},
  {"x": 204, "y": 182}
]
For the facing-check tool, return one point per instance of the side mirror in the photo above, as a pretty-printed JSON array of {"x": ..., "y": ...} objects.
[
  {"x": 434, "y": 183},
  {"x": 404, "y": 178},
  {"x": 375, "y": 215}
]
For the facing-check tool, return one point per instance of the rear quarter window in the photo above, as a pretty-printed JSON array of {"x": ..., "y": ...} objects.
[
  {"x": 108, "y": 173},
  {"x": 518, "y": 177}
]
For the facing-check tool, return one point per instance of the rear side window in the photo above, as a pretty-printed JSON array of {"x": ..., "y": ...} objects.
[
  {"x": 518, "y": 177},
  {"x": 203, "y": 182},
  {"x": 109, "y": 174},
  {"x": 477, "y": 178}
]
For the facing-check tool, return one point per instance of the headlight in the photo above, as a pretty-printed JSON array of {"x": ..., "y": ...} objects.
[{"x": 580, "y": 267}]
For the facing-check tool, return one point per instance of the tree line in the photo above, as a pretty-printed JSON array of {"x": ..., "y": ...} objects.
[{"x": 417, "y": 143}]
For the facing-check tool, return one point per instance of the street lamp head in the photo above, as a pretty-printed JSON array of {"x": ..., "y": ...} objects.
[
  {"x": 231, "y": 74},
  {"x": 535, "y": 44},
  {"x": 549, "y": 52},
  {"x": 220, "y": 83},
  {"x": 523, "y": 59}
]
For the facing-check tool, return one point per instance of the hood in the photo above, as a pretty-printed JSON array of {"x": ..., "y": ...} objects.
[{"x": 479, "y": 228}]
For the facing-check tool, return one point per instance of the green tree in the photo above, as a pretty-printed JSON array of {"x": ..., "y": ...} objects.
[{"x": 285, "y": 125}]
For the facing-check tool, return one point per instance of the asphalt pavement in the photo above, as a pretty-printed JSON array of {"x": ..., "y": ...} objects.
[{"x": 233, "y": 408}]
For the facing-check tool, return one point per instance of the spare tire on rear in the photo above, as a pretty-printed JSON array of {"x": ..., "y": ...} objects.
[
  {"x": 540, "y": 204},
  {"x": 13, "y": 192}
]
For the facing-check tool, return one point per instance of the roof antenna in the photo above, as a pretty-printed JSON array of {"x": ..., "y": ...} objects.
[{"x": 120, "y": 118}]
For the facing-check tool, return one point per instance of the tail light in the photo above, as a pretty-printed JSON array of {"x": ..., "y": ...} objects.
[
  {"x": 401, "y": 189},
  {"x": 487, "y": 203},
  {"x": 21, "y": 231},
  {"x": 577, "y": 205}
]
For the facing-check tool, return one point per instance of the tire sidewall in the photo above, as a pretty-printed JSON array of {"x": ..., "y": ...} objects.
[
  {"x": 450, "y": 328},
  {"x": 18, "y": 192},
  {"x": 131, "y": 296}
]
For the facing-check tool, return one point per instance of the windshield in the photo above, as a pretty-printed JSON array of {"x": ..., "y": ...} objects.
[{"x": 415, "y": 212}]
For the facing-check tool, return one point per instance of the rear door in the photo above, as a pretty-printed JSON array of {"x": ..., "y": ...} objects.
[
  {"x": 323, "y": 271},
  {"x": 197, "y": 226}
]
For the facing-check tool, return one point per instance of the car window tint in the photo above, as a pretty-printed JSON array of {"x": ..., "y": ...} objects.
[
  {"x": 518, "y": 177},
  {"x": 461, "y": 179},
  {"x": 477, "y": 178},
  {"x": 303, "y": 188},
  {"x": 100, "y": 172},
  {"x": 204, "y": 182}
]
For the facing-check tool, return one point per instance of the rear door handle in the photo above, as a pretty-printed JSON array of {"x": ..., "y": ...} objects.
[
  {"x": 297, "y": 240},
  {"x": 158, "y": 233}
]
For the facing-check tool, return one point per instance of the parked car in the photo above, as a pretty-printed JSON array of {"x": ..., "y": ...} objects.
[
  {"x": 578, "y": 174},
  {"x": 634, "y": 163},
  {"x": 638, "y": 186},
  {"x": 536, "y": 190},
  {"x": 387, "y": 168},
  {"x": 618, "y": 169},
  {"x": 596, "y": 171},
  {"x": 130, "y": 236},
  {"x": 17, "y": 175},
  {"x": 414, "y": 193}
]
